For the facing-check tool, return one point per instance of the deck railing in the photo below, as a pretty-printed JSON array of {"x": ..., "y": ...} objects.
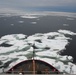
[{"x": 31, "y": 72}]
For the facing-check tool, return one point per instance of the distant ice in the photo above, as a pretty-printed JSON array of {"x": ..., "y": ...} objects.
[
  {"x": 29, "y": 16},
  {"x": 32, "y": 15},
  {"x": 21, "y": 21},
  {"x": 70, "y": 18},
  {"x": 65, "y": 24},
  {"x": 33, "y": 22},
  {"x": 12, "y": 24},
  {"x": 47, "y": 47}
]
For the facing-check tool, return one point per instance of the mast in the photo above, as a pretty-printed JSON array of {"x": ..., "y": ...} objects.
[{"x": 33, "y": 62}]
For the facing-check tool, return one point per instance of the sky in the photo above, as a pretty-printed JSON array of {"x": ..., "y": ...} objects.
[{"x": 44, "y": 5}]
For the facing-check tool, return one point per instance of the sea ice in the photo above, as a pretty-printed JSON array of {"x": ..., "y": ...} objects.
[{"x": 47, "y": 47}]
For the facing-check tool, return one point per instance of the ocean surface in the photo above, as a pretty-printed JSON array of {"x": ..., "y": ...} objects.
[
  {"x": 12, "y": 25},
  {"x": 43, "y": 24}
]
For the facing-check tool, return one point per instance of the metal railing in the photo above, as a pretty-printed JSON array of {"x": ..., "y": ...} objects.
[{"x": 31, "y": 72}]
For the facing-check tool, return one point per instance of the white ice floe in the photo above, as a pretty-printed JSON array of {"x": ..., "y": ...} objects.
[
  {"x": 29, "y": 16},
  {"x": 70, "y": 18},
  {"x": 65, "y": 24},
  {"x": 47, "y": 47},
  {"x": 66, "y": 32},
  {"x": 21, "y": 21},
  {"x": 33, "y": 22},
  {"x": 12, "y": 24},
  {"x": 40, "y": 45},
  {"x": 21, "y": 36}
]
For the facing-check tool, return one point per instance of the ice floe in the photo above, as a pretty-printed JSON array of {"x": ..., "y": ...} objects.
[
  {"x": 21, "y": 21},
  {"x": 12, "y": 24},
  {"x": 29, "y": 16},
  {"x": 66, "y": 32},
  {"x": 33, "y": 22},
  {"x": 65, "y": 24},
  {"x": 70, "y": 18}
]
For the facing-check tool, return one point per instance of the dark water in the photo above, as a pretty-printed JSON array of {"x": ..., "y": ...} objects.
[
  {"x": 44, "y": 25},
  {"x": 71, "y": 49}
]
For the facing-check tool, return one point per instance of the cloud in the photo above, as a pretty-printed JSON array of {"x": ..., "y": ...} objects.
[
  {"x": 37, "y": 3},
  {"x": 26, "y": 5}
]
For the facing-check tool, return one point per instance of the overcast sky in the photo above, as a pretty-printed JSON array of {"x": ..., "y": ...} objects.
[{"x": 25, "y": 4}]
